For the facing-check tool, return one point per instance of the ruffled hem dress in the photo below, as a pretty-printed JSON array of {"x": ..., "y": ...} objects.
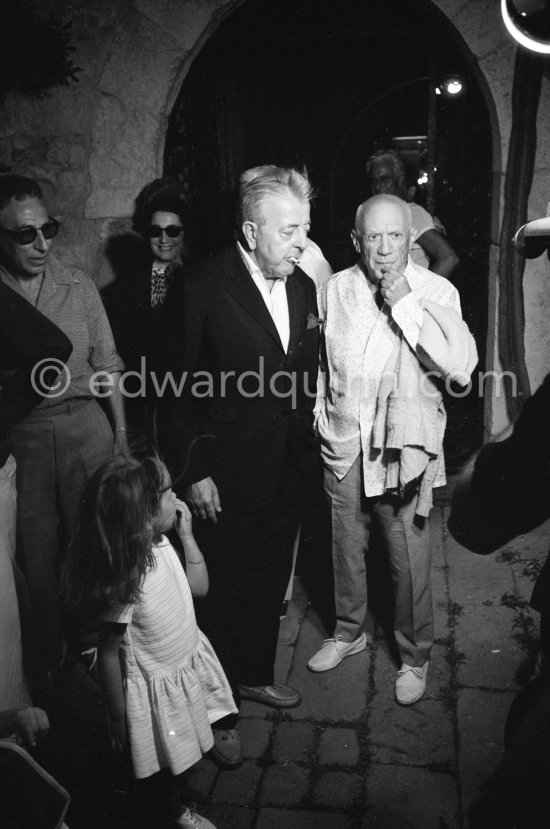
[{"x": 175, "y": 686}]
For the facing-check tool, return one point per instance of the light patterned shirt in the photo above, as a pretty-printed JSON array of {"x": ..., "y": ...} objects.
[{"x": 358, "y": 339}]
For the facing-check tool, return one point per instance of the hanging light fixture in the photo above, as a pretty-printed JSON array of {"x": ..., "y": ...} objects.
[{"x": 528, "y": 22}]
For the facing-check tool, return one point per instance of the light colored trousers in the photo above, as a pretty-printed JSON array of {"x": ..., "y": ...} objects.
[{"x": 406, "y": 541}]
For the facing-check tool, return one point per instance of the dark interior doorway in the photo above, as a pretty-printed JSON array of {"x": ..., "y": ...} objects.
[{"x": 322, "y": 84}]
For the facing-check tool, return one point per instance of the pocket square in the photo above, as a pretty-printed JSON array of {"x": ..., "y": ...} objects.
[{"x": 313, "y": 321}]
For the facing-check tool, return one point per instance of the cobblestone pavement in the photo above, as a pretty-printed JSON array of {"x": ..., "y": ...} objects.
[{"x": 349, "y": 757}]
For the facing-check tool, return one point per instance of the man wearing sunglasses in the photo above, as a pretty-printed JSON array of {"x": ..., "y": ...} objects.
[{"x": 58, "y": 444}]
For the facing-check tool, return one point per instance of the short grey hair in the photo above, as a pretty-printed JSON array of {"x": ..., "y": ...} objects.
[
  {"x": 392, "y": 159},
  {"x": 258, "y": 183},
  {"x": 364, "y": 206}
]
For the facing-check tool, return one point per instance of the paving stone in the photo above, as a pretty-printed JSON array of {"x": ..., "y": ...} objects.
[
  {"x": 475, "y": 579},
  {"x": 255, "y": 736},
  {"x": 238, "y": 786},
  {"x": 338, "y": 790},
  {"x": 481, "y": 719},
  {"x": 231, "y": 817},
  {"x": 284, "y": 785},
  {"x": 339, "y": 745},
  {"x": 484, "y": 636},
  {"x": 294, "y": 819},
  {"x": 337, "y": 695},
  {"x": 420, "y": 799},
  {"x": 420, "y": 734},
  {"x": 293, "y": 741},
  {"x": 199, "y": 778}
]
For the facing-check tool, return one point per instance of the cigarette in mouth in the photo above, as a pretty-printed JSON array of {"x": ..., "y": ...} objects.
[{"x": 293, "y": 260}]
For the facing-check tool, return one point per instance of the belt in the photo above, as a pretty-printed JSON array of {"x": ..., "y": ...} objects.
[{"x": 67, "y": 407}]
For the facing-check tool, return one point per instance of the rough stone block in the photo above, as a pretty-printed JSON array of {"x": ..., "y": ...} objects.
[
  {"x": 420, "y": 799},
  {"x": 284, "y": 785},
  {"x": 338, "y": 790},
  {"x": 255, "y": 736},
  {"x": 294, "y": 741},
  {"x": 339, "y": 745},
  {"x": 481, "y": 719},
  {"x": 287, "y": 818},
  {"x": 484, "y": 635},
  {"x": 238, "y": 786},
  {"x": 231, "y": 817}
]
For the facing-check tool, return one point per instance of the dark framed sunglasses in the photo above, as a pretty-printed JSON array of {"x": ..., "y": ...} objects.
[
  {"x": 27, "y": 235},
  {"x": 173, "y": 231}
]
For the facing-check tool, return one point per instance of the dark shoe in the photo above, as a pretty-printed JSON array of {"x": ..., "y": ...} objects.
[
  {"x": 276, "y": 696},
  {"x": 226, "y": 752}
]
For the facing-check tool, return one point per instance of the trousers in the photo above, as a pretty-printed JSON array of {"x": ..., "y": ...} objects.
[
  {"x": 405, "y": 539},
  {"x": 249, "y": 558},
  {"x": 56, "y": 452}
]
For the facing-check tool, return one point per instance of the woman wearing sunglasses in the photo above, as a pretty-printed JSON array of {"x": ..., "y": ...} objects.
[
  {"x": 62, "y": 440},
  {"x": 143, "y": 302}
]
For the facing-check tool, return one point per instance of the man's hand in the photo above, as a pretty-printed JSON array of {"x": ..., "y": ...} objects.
[
  {"x": 203, "y": 499},
  {"x": 28, "y": 724},
  {"x": 394, "y": 285}
]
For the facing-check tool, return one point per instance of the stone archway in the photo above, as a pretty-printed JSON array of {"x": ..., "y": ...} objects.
[{"x": 95, "y": 144}]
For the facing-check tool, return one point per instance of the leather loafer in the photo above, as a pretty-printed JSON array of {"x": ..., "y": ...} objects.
[
  {"x": 226, "y": 751},
  {"x": 332, "y": 651},
  {"x": 276, "y": 696},
  {"x": 411, "y": 683}
]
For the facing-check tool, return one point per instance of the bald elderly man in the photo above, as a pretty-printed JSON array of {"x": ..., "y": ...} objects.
[{"x": 393, "y": 335}]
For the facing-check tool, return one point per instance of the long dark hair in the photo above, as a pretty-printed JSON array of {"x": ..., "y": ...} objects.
[{"x": 111, "y": 547}]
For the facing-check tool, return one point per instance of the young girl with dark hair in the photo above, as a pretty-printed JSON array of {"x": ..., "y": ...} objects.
[{"x": 168, "y": 687}]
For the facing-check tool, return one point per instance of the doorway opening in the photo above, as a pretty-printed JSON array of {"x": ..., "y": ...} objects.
[{"x": 323, "y": 85}]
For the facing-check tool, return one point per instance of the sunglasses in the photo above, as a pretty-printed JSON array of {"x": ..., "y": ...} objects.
[
  {"x": 173, "y": 231},
  {"x": 27, "y": 235}
]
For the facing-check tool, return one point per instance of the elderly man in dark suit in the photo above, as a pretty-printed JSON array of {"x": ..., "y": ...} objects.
[{"x": 242, "y": 429}]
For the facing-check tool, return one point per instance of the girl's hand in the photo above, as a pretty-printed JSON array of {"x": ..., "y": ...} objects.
[
  {"x": 119, "y": 735},
  {"x": 184, "y": 520}
]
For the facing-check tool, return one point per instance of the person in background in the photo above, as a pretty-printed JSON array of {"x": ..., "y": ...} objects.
[
  {"x": 142, "y": 303},
  {"x": 386, "y": 174},
  {"x": 67, "y": 435},
  {"x": 392, "y": 332},
  {"x": 249, "y": 324},
  {"x": 162, "y": 682}
]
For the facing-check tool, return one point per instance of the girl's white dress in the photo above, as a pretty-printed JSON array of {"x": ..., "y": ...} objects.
[{"x": 175, "y": 686}]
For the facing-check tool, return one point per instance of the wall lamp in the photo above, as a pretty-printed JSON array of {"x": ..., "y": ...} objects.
[{"x": 451, "y": 87}]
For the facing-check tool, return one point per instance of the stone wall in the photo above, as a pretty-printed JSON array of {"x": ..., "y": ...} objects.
[{"x": 94, "y": 144}]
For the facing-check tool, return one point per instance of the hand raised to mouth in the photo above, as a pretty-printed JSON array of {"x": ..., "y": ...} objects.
[{"x": 394, "y": 285}]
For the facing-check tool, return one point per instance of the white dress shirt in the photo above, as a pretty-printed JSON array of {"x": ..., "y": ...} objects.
[{"x": 276, "y": 300}]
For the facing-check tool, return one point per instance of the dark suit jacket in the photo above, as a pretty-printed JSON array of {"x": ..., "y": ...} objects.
[{"x": 245, "y": 402}]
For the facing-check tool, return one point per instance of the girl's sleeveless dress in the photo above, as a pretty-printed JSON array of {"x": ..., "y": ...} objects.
[{"x": 175, "y": 686}]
